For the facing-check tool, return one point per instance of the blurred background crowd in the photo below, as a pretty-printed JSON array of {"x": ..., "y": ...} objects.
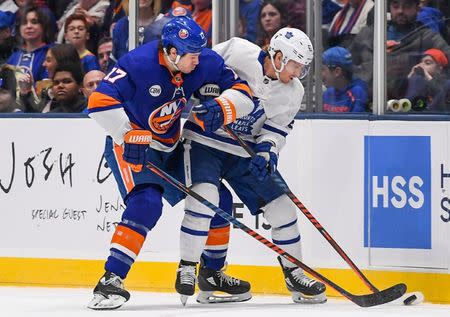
[{"x": 53, "y": 53}]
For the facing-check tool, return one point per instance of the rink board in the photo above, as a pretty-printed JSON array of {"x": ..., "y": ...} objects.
[{"x": 380, "y": 188}]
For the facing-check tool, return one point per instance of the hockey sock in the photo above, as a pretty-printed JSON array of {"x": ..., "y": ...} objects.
[
  {"x": 144, "y": 208},
  {"x": 193, "y": 235},
  {"x": 219, "y": 234},
  {"x": 288, "y": 237},
  {"x": 196, "y": 221}
]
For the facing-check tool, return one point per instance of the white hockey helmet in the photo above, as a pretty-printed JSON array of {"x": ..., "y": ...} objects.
[{"x": 294, "y": 45}]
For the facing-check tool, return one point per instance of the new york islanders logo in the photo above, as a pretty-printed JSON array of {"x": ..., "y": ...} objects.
[
  {"x": 183, "y": 34},
  {"x": 162, "y": 118}
]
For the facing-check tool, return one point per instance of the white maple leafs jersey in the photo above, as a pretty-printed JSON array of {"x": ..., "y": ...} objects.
[{"x": 276, "y": 104}]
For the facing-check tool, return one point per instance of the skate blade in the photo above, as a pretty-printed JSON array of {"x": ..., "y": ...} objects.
[
  {"x": 300, "y": 298},
  {"x": 100, "y": 302},
  {"x": 210, "y": 298},
  {"x": 183, "y": 299}
]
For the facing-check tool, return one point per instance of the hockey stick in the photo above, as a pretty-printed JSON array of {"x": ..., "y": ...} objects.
[
  {"x": 279, "y": 181},
  {"x": 378, "y": 298}
]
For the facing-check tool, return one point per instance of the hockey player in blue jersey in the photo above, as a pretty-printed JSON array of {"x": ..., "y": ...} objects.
[
  {"x": 273, "y": 77},
  {"x": 139, "y": 104}
]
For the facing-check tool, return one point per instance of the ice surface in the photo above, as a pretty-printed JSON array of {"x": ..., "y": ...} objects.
[{"x": 64, "y": 302}]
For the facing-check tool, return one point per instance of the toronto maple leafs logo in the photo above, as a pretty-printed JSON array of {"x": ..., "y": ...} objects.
[{"x": 288, "y": 35}]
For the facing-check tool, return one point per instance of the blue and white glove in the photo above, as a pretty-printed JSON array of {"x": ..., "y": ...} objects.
[
  {"x": 214, "y": 113},
  {"x": 264, "y": 163},
  {"x": 135, "y": 143}
]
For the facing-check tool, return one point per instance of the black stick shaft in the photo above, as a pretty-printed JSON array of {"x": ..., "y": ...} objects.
[{"x": 306, "y": 212}]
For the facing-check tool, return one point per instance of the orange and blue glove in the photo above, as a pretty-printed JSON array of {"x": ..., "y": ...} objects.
[
  {"x": 214, "y": 113},
  {"x": 135, "y": 144}
]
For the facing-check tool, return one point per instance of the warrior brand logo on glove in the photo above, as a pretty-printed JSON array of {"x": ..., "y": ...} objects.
[
  {"x": 228, "y": 110},
  {"x": 140, "y": 139},
  {"x": 210, "y": 90},
  {"x": 165, "y": 116}
]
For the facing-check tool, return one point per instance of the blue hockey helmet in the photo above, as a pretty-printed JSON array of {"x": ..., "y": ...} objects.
[{"x": 184, "y": 34}]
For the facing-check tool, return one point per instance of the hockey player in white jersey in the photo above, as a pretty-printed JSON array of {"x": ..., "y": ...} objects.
[{"x": 273, "y": 77}]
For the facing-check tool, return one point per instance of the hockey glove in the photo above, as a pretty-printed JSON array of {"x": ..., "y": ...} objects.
[
  {"x": 136, "y": 142},
  {"x": 264, "y": 163},
  {"x": 214, "y": 113}
]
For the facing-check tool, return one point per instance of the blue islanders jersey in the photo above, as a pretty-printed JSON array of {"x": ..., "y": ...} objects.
[
  {"x": 352, "y": 98},
  {"x": 31, "y": 61},
  {"x": 140, "y": 92}
]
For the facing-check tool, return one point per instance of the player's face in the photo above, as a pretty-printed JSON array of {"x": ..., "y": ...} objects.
[
  {"x": 64, "y": 86},
  {"x": 290, "y": 71},
  {"x": 188, "y": 62},
  {"x": 77, "y": 33}
]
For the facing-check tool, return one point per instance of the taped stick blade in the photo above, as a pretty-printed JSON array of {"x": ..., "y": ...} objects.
[{"x": 378, "y": 298}]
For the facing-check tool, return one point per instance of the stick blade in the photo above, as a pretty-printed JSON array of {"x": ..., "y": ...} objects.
[{"x": 385, "y": 296}]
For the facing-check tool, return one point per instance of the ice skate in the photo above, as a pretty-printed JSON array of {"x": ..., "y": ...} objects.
[
  {"x": 186, "y": 277},
  {"x": 304, "y": 289},
  {"x": 109, "y": 293},
  {"x": 210, "y": 281}
]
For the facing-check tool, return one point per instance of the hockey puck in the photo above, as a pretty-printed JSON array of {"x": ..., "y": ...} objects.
[{"x": 413, "y": 298}]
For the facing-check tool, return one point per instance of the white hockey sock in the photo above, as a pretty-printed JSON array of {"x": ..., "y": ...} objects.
[
  {"x": 193, "y": 236},
  {"x": 288, "y": 239}
]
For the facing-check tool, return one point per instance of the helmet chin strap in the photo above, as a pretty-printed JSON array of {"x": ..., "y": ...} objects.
[
  {"x": 173, "y": 63},
  {"x": 277, "y": 71}
]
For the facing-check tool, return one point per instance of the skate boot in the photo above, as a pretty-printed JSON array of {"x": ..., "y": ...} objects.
[
  {"x": 185, "y": 283},
  {"x": 109, "y": 293},
  {"x": 210, "y": 281},
  {"x": 304, "y": 289}
]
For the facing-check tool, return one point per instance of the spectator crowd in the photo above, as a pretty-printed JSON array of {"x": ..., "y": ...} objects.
[{"x": 54, "y": 53}]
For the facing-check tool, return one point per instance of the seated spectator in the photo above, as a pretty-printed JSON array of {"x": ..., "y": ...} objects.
[
  {"x": 36, "y": 35},
  {"x": 104, "y": 54},
  {"x": 348, "y": 22},
  {"x": 76, "y": 33},
  {"x": 344, "y": 93},
  {"x": 93, "y": 10},
  {"x": 91, "y": 81},
  {"x": 426, "y": 79},
  {"x": 7, "y": 41},
  {"x": 41, "y": 4},
  {"x": 406, "y": 40},
  {"x": 249, "y": 16},
  {"x": 60, "y": 54},
  {"x": 273, "y": 16},
  {"x": 66, "y": 89}
]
